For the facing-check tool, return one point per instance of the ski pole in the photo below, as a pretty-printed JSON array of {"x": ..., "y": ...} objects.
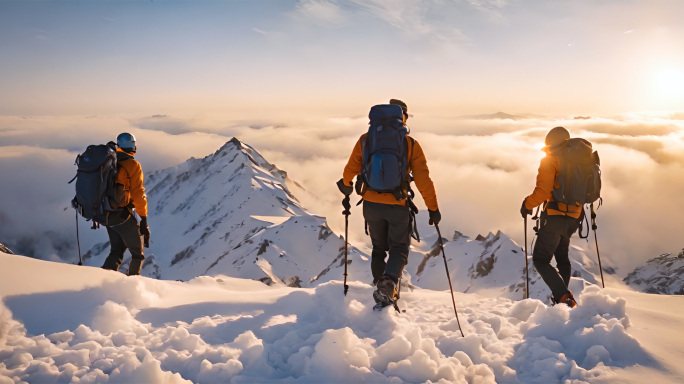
[
  {"x": 346, "y": 214},
  {"x": 527, "y": 276},
  {"x": 78, "y": 240},
  {"x": 446, "y": 266},
  {"x": 594, "y": 226}
]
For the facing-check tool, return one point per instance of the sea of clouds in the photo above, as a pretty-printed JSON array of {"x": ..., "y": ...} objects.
[{"x": 482, "y": 167}]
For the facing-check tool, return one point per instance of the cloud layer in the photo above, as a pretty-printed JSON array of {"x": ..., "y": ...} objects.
[{"x": 482, "y": 169}]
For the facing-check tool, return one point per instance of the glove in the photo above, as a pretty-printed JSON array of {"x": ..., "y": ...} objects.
[
  {"x": 435, "y": 217},
  {"x": 347, "y": 190},
  {"x": 524, "y": 211},
  {"x": 145, "y": 231}
]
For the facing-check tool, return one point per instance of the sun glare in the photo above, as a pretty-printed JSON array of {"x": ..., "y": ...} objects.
[{"x": 670, "y": 82}]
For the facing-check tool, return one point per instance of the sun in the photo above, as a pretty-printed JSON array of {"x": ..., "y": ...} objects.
[{"x": 669, "y": 81}]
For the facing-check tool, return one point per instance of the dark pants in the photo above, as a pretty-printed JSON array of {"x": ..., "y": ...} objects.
[
  {"x": 553, "y": 240},
  {"x": 121, "y": 237},
  {"x": 390, "y": 230}
]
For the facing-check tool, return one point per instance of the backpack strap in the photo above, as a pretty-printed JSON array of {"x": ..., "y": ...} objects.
[
  {"x": 413, "y": 210},
  {"x": 76, "y": 163},
  {"x": 399, "y": 192},
  {"x": 410, "y": 154},
  {"x": 583, "y": 219},
  {"x": 536, "y": 218}
]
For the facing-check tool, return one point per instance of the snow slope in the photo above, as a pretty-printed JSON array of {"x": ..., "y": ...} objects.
[{"x": 64, "y": 323}]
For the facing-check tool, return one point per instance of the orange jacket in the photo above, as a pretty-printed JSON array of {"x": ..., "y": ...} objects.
[
  {"x": 131, "y": 178},
  {"x": 417, "y": 164},
  {"x": 547, "y": 179}
]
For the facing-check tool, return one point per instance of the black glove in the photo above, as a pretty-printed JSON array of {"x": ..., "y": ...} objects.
[
  {"x": 524, "y": 211},
  {"x": 435, "y": 217},
  {"x": 145, "y": 231},
  {"x": 347, "y": 190}
]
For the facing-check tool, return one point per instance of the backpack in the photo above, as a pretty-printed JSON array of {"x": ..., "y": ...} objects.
[
  {"x": 96, "y": 182},
  {"x": 384, "y": 166},
  {"x": 579, "y": 176}
]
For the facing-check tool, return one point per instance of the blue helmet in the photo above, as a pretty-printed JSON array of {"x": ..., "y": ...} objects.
[{"x": 126, "y": 141}]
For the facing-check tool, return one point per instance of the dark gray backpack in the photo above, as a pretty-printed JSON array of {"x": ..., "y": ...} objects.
[
  {"x": 580, "y": 173},
  {"x": 96, "y": 182}
]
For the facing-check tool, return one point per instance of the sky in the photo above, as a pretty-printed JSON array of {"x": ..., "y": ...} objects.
[
  {"x": 313, "y": 57},
  {"x": 295, "y": 79}
]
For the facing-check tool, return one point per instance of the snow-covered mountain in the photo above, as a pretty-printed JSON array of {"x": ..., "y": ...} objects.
[
  {"x": 236, "y": 214},
  {"x": 492, "y": 265},
  {"x": 663, "y": 274}
]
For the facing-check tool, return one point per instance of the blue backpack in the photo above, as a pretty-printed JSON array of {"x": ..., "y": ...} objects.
[
  {"x": 96, "y": 182},
  {"x": 385, "y": 154}
]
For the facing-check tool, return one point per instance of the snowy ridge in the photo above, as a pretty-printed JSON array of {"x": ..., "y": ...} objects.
[
  {"x": 106, "y": 327},
  {"x": 234, "y": 213},
  {"x": 491, "y": 266},
  {"x": 663, "y": 274}
]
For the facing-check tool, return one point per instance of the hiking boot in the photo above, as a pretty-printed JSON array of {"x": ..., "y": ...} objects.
[
  {"x": 568, "y": 300},
  {"x": 134, "y": 267},
  {"x": 386, "y": 292}
]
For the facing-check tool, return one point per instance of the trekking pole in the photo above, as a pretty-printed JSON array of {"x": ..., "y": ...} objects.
[
  {"x": 346, "y": 214},
  {"x": 527, "y": 276},
  {"x": 78, "y": 240},
  {"x": 446, "y": 266},
  {"x": 594, "y": 226}
]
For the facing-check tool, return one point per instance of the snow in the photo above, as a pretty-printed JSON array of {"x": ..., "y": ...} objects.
[{"x": 65, "y": 323}]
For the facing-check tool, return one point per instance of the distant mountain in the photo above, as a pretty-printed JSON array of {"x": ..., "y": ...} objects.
[
  {"x": 663, "y": 274},
  {"x": 502, "y": 115}
]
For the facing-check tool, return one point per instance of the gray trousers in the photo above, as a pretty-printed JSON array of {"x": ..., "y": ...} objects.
[
  {"x": 122, "y": 237},
  {"x": 553, "y": 240},
  {"x": 390, "y": 231}
]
